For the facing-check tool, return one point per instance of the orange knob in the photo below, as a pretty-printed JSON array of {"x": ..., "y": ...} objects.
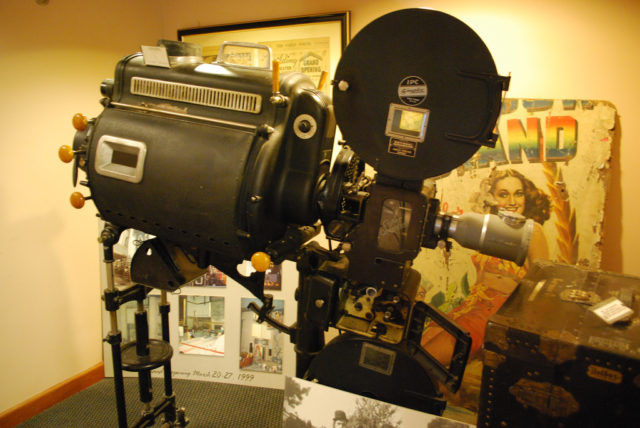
[
  {"x": 275, "y": 76},
  {"x": 77, "y": 200},
  {"x": 65, "y": 153},
  {"x": 80, "y": 121},
  {"x": 261, "y": 261},
  {"x": 323, "y": 79}
]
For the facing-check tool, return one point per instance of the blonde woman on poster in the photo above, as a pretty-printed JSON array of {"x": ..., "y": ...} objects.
[{"x": 506, "y": 190}]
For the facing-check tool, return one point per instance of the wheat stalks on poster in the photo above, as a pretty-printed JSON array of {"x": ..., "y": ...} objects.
[{"x": 567, "y": 238}]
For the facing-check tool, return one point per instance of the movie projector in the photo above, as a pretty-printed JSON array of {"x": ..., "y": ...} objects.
[{"x": 226, "y": 162}]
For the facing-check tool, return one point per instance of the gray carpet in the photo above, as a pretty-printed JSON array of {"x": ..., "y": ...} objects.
[{"x": 207, "y": 404}]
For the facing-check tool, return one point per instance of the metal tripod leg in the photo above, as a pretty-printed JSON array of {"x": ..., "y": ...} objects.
[
  {"x": 143, "y": 355},
  {"x": 170, "y": 412},
  {"x": 114, "y": 338}
]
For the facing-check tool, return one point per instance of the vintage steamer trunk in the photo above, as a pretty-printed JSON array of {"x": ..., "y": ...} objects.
[{"x": 550, "y": 361}]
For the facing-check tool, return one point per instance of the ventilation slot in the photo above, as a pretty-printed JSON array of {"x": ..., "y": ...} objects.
[{"x": 201, "y": 95}]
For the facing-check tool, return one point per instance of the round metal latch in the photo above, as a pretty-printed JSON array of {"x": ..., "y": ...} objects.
[{"x": 305, "y": 126}]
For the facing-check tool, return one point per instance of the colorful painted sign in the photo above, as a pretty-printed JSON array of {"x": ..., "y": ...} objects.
[{"x": 551, "y": 164}]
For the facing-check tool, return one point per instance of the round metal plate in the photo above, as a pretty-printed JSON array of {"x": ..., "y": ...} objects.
[
  {"x": 159, "y": 353},
  {"x": 373, "y": 369},
  {"x": 431, "y": 66}
]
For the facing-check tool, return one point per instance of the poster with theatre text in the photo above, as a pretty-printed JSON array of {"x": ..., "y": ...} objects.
[{"x": 550, "y": 164}]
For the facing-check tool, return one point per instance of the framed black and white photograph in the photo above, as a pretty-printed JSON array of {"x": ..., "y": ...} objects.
[{"x": 313, "y": 405}]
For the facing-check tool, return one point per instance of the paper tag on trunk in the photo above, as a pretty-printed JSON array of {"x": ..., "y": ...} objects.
[{"x": 611, "y": 310}]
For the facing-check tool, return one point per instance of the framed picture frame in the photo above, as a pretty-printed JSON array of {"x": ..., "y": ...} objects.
[{"x": 308, "y": 44}]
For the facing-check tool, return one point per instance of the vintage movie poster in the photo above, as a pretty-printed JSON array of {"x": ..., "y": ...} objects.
[{"x": 550, "y": 164}]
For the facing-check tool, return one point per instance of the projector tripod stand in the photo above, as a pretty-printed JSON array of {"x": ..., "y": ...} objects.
[{"x": 140, "y": 356}]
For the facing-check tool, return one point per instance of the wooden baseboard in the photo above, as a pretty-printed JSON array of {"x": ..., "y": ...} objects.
[{"x": 51, "y": 396}]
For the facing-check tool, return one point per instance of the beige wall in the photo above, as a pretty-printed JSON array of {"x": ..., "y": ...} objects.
[{"x": 54, "y": 57}]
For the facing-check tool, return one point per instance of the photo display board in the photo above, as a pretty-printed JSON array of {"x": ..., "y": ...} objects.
[{"x": 214, "y": 336}]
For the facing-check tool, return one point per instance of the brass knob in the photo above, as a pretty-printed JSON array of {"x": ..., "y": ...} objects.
[
  {"x": 261, "y": 261},
  {"x": 79, "y": 121},
  {"x": 77, "y": 200},
  {"x": 65, "y": 153}
]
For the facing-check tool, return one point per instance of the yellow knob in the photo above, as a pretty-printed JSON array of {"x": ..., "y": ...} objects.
[
  {"x": 77, "y": 200},
  {"x": 80, "y": 121},
  {"x": 65, "y": 153},
  {"x": 261, "y": 261}
]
